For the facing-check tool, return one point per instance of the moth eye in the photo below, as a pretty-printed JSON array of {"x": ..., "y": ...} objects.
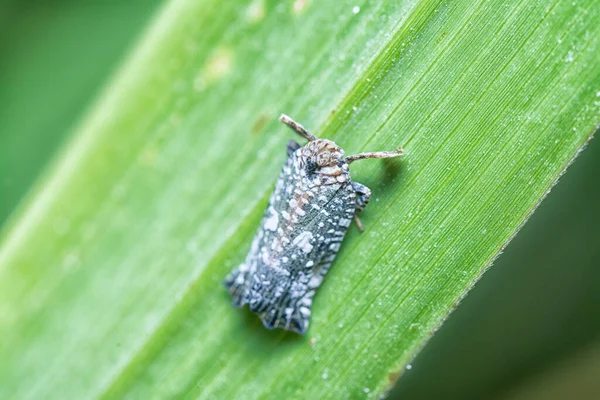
[
  {"x": 311, "y": 167},
  {"x": 323, "y": 158}
]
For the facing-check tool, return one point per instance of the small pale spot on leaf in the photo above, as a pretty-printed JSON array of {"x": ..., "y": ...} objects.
[
  {"x": 217, "y": 66},
  {"x": 256, "y": 11},
  {"x": 300, "y": 6}
]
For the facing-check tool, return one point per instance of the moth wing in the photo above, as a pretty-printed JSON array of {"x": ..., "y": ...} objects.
[
  {"x": 241, "y": 282},
  {"x": 312, "y": 244},
  {"x": 291, "y": 147}
]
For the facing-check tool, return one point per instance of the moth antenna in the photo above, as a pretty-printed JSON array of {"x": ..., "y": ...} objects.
[
  {"x": 299, "y": 129},
  {"x": 375, "y": 154}
]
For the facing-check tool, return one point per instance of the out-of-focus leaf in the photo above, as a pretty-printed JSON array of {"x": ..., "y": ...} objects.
[{"x": 54, "y": 57}]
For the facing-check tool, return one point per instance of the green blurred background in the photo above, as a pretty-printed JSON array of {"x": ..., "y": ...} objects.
[
  {"x": 55, "y": 56},
  {"x": 529, "y": 329}
]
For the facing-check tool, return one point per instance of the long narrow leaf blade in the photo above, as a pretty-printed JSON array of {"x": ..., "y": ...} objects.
[{"x": 110, "y": 276}]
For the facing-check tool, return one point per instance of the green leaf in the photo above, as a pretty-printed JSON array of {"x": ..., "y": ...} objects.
[
  {"x": 110, "y": 276},
  {"x": 535, "y": 310}
]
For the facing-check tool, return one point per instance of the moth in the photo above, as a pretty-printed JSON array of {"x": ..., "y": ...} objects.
[{"x": 309, "y": 213}]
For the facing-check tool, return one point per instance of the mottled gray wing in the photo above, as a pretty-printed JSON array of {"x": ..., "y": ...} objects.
[
  {"x": 291, "y": 147},
  {"x": 299, "y": 237},
  {"x": 239, "y": 281},
  {"x": 307, "y": 239}
]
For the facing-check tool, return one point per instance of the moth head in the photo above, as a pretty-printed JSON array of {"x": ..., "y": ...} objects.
[{"x": 324, "y": 163}]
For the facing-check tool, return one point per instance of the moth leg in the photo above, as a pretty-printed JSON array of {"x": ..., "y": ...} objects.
[
  {"x": 363, "y": 195},
  {"x": 299, "y": 129},
  {"x": 359, "y": 224},
  {"x": 291, "y": 147}
]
